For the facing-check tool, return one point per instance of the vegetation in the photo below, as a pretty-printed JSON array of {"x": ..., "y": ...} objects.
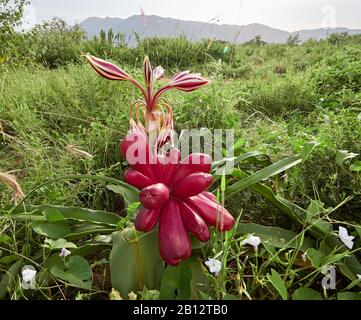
[{"x": 60, "y": 127}]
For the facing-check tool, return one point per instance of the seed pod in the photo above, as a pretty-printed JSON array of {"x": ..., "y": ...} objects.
[
  {"x": 210, "y": 196},
  {"x": 193, "y": 222},
  {"x": 167, "y": 166},
  {"x": 192, "y": 185},
  {"x": 174, "y": 243},
  {"x": 146, "y": 219},
  {"x": 154, "y": 196},
  {"x": 137, "y": 179},
  {"x": 212, "y": 213},
  {"x": 195, "y": 162}
]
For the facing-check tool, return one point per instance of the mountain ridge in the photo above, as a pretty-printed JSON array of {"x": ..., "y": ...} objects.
[{"x": 153, "y": 25}]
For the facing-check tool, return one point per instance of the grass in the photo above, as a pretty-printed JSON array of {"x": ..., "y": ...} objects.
[{"x": 276, "y": 97}]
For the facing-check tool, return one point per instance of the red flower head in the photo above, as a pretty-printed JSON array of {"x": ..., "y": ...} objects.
[{"x": 173, "y": 191}]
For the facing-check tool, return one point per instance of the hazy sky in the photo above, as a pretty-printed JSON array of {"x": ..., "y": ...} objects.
[{"x": 290, "y": 15}]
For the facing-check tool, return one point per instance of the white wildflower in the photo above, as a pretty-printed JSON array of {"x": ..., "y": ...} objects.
[
  {"x": 253, "y": 241},
  {"x": 345, "y": 238},
  {"x": 214, "y": 266},
  {"x": 64, "y": 253},
  {"x": 28, "y": 274},
  {"x": 304, "y": 256},
  {"x": 359, "y": 276}
]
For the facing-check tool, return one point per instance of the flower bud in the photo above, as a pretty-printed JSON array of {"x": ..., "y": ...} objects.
[{"x": 107, "y": 70}]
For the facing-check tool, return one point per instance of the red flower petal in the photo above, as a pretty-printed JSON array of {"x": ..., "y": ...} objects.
[
  {"x": 193, "y": 222},
  {"x": 154, "y": 196},
  {"x": 192, "y": 185},
  {"x": 174, "y": 243},
  {"x": 212, "y": 213},
  {"x": 146, "y": 219}
]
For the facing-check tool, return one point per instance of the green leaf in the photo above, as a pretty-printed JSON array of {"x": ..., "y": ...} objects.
[
  {"x": 73, "y": 213},
  {"x": 308, "y": 149},
  {"x": 278, "y": 283},
  {"x": 4, "y": 238},
  {"x": 135, "y": 261},
  {"x": 53, "y": 215},
  {"x": 58, "y": 244},
  {"x": 343, "y": 155},
  {"x": 130, "y": 195},
  {"x": 349, "y": 296},
  {"x": 200, "y": 285},
  {"x": 76, "y": 272},
  {"x": 276, "y": 237},
  {"x": 306, "y": 294},
  {"x": 176, "y": 282},
  {"x": 265, "y": 173},
  {"x": 356, "y": 166},
  {"x": 316, "y": 257},
  {"x": 54, "y": 230},
  {"x": 8, "y": 280}
]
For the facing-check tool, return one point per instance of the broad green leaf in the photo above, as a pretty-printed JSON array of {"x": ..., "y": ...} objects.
[
  {"x": 58, "y": 244},
  {"x": 176, "y": 282},
  {"x": 74, "y": 213},
  {"x": 278, "y": 283},
  {"x": 53, "y": 215},
  {"x": 54, "y": 230},
  {"x": 135, "y": 261},
  {"x": 275, "y": 236},
  {"x": 306, "y": 294},
  {"x": 76, "y": 271},
  {"x": 130, "y": 195},
  {"x": 265, "y": 173},
  {"x": 8, "y": 280},
  {"x": 200, "y": 285},
  {"x": 343, "y": 155},
  {"x": 349, "y": 296}
]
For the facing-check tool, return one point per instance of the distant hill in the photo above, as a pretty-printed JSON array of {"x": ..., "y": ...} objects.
[{"x": 149, "y": 26}]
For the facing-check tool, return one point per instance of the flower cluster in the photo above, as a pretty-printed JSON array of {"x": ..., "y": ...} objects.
[{"x": 172, "y": 190}]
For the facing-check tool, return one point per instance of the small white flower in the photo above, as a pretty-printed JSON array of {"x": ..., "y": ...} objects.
[
  {"x": 64, "y": 253},
  {"x": 28, "y": 274},
  {"x": 252, "y": 240},
  {"x": 359, "y": 276},
  {"x": 345, "y": 238},
  {"x": 214, "y": 266},
  {"x": 304, "y": 256}
]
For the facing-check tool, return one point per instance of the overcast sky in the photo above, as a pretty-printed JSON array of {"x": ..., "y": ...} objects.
[{"x": 290, "y": 15}]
